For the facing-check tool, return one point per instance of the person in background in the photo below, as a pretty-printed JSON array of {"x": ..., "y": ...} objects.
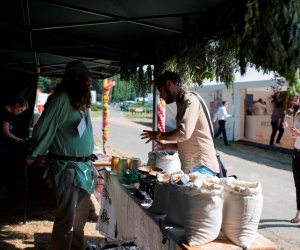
[
  {"x": 122, "y": 106},
  {"x": 259, "y": 107},
  {"x": 296, "y": 104},
  {"x": 191, "y": 137},
  {"x": 277, "y": 120},
  {"x": 65, "y": 130},
  {"x": 9, "y": 143},
  {"x": 295, "y": 130},
  {"x": 221, "y": 115}
]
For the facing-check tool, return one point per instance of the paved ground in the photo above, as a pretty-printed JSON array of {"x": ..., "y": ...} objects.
[{"x": 272, "y": 169}]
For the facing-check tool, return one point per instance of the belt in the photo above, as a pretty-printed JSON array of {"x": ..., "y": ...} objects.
[
  {"x": 70, "y": 166},
  {"x": 91, "y": 157}
]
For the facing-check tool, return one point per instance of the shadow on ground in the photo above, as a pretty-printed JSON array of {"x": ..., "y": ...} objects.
[
  {"x": 266, "y": 156},
  {"x": 142, "y": 121},
  {"x": 147, "y": 124}
]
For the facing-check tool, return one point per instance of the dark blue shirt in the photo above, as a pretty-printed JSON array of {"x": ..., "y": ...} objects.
[{"x": 277, "y": 115}]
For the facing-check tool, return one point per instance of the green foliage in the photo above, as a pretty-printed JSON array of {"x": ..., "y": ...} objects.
[
  {"x": 47, "y": 84},
  {"x": 257, "y": 33},
  {"x": 122, "y": 91},
  {"x": 97, "y": 86},
  {"x": 142, "y": 80},
  {"x": 144, "y": 115},
  {"x": 147, "y": 107},
  {"x": 143, "y": 105},
  {"x": 96, "y": 107},
  {"x": 196, "y": 60},
  {"x": 266, "y": 34},
  {"x": 128, "y": 67}
]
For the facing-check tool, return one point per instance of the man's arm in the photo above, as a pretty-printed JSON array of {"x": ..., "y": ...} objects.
[
  {"x": 165, "y": 146},
  {"x": 225, "y": 112},
  {"x": 54, "y": 114},
  {"x": 6, "y": 132}
]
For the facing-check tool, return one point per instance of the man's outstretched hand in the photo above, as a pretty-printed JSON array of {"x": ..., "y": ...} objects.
[{"x": 150, "y": 135}]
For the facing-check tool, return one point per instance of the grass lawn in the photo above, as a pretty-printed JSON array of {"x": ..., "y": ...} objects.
[
  {"x": 96, "y": 113},
  {"x": 131, "y": 115}
]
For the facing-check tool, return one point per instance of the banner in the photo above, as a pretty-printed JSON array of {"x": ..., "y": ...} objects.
[
  {"x": 161, "y": 115},
  {"x": 107, "y": 85}
]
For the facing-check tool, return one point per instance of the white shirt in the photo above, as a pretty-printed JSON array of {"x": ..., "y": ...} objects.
[
  {"x": 221, "y": 114},
  {"x": 297, "y": 126}
]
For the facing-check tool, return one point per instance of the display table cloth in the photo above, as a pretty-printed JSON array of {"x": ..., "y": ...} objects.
[{"x": 123, "y": 217}]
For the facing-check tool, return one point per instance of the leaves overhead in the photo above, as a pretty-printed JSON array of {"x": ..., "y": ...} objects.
[
  {"x": 259, "y": 33},
  {"x": 266, "y": 34}
]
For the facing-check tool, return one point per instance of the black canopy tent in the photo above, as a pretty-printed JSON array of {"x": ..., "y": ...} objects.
[
  {"x": 39, "y": 37},
  {"x": 42, "y": 36},
  {"x": 113, "y": 36}
]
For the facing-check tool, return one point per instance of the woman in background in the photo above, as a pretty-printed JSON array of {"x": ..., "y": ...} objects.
[
  {"x": 277, "y": 120},
  {"x": 295, "y": 130}
]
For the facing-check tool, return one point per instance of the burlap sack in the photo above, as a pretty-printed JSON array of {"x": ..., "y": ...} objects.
[
  {"x": 203, "y": 213},
  {"x": 243, "y": 202}
]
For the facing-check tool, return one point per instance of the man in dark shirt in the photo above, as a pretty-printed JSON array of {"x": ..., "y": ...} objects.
[
  {"x": 9, "y": 141},
  {"x": 277, "y": 120}
]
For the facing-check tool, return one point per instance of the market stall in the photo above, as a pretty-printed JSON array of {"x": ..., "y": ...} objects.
[
  {"x": 258, "y": 127},
  {"x": 125, "y": 217}
]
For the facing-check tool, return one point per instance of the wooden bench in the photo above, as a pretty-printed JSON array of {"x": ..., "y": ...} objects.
[
  {"x": 259, "y": 243},
  {"x": 136, "y": 111}
]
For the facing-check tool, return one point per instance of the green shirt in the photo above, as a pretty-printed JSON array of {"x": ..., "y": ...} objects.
[{"x": 57, "y": 131}]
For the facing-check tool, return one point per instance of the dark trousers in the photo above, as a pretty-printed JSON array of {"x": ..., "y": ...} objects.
[
  {"x": 296, "y": 174},
  {"x": 12, "y": 163},
  {"x": 276, "y": 128},
  {"x": 222, "y": 130},
  {"x": 71, "y": 215}
]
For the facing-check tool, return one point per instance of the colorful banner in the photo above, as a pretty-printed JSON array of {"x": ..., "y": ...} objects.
[
  {"x": 161, "y": 115},
  {"x": 107, "y": 85}
]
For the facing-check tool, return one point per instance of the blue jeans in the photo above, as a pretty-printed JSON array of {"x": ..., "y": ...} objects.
[{"x": 204, "y": 170}]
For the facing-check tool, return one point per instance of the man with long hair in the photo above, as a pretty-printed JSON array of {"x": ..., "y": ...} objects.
[{"x": 65, "y": 131}]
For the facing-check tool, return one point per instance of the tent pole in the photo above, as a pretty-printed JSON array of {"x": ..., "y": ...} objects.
[{"x": 154, "y": 117}]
